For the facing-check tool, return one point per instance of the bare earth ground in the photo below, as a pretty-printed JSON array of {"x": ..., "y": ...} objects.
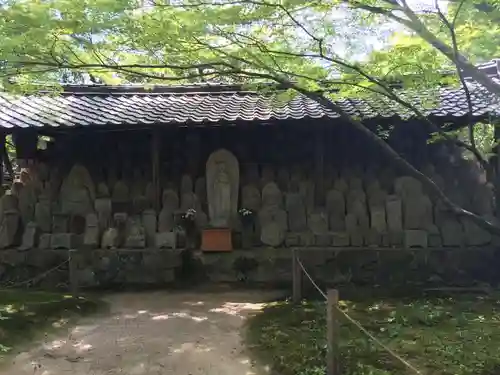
[{"x": 153, "y": 333}]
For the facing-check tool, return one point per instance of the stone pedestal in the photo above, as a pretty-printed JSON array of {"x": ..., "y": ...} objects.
[
  {"x": 216, "y": 239},
  {"x": 415, "y": 238},
  {"x": 9, "y": 229},
  {"x": 43, "y": 216},
  {"x": 166, "y": 240},
  {"x": 292, "y": 239},
  {"x": 60, "y": 223},
  {"x": 341, "y": 239},
  {"x": 45, "y": 240},
  {"x": 30, "y": 236},
  {"x": 110, "y": 239},
  {"x": 149, "y": 223},
  {"x": 66, "y": 241},
  {"x": 91, "y": 238}
]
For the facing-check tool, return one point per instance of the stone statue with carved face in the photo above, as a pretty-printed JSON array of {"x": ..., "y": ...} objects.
[
  {"x": 222, "y": 188},
  {"x": 222, "y": 195}
]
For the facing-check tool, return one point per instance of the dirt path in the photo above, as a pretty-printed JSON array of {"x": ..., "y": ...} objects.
[{"x": 152, "y": 333}]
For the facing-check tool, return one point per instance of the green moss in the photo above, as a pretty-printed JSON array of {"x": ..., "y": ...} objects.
[
  {"x": 446, "y": 336},
  {"x": 24, "y": 314}
]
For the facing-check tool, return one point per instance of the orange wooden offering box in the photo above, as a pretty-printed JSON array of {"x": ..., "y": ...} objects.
[{"x": 216, "y": 239}]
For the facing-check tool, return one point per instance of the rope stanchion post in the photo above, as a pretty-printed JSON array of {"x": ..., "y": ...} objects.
[
  {"x": 333, "y": 315},
  {"x": 296, "y": 278},
  {"x": 332, "y": 331},
  {"x": 73, "y": 277}
]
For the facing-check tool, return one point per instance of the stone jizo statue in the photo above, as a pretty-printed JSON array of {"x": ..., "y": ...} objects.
[
  {"x": 222, "y": 195},
  {"x": 222, "y": 188}
]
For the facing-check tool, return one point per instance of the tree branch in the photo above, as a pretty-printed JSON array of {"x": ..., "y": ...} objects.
[
  {"x": 114, "y": 66},
  {"x": 470, "y": 125},
  {"x": 387, "y": 91},
  {"x": 415, "y": 24}
]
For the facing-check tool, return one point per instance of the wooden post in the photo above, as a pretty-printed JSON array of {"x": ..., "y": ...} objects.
[
  {"x": 7, "y": 163},
  {"x": 319, "y": 165},
  {"x": 296, "y": 278},
  {"x": 155, "y": 166},
  {"x": 3, "y": 152},
  {"x": 332, "y": 331},
  {"x": 73, "y": 277},
  {"x": 495, "y": 169}
]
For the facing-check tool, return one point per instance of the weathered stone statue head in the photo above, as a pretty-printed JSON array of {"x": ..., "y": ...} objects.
[
  {"x": 221, "y": 172},
  {"x": 77, "y": 192},
  {"x": 24, "y": 176},
  {"x": 271, "y": 195}
]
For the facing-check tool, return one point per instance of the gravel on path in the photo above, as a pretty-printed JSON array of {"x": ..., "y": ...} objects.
[{"x": 195, "y": 333}]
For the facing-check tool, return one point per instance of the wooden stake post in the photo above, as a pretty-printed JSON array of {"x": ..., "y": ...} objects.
[{"x": 332, "y": 331}]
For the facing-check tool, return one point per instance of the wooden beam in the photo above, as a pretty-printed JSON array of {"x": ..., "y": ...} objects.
[{"x": 155, "y": 167}]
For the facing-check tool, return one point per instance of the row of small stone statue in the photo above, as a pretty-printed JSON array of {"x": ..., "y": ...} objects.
[
  {"x": 357, "y": 213},
  {"x": 349, "y": 211},
  {"x": 352, "y": 208}
]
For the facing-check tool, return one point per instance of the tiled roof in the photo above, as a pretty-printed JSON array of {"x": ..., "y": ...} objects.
[
  {"x": 134, "y": 105},
  {"x": 491, "y": 68}
]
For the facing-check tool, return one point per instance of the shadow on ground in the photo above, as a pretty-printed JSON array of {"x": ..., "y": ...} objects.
[{"x": 153, "y": 333}]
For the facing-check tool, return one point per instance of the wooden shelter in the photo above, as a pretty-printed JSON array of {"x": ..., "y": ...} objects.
[{"x": 124, "y": 164}]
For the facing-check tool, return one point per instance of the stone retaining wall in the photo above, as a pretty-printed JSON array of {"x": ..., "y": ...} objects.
[
  {"x": 97, "y": 268},
  {"x": 363, "y": 267}
]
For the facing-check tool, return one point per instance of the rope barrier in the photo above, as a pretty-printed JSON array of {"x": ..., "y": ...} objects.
[
  {"x": 311, "y": 279},
  {"x": 36, "y": 278},
  {"x": 358, "y": 325},
  {"x": 377, "y": 341}
]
